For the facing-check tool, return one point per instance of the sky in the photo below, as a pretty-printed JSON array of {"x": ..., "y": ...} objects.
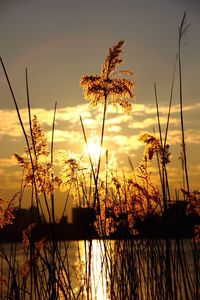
[{"x": 59, "y": 41}]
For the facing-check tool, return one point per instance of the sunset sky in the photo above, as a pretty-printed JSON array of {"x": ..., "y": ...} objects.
[{"x": 59, "y": 41}]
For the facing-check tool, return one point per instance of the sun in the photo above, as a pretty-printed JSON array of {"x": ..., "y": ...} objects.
[{"x": 94, "y": 149}]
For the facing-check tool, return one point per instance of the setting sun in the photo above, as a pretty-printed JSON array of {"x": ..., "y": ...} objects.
[{"x": 93, "y": 149}]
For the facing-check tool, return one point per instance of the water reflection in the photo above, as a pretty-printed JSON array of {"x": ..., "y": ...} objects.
[
  {"x": 87, "y": 270},
  {"x": 103, "y": 270},
  {"x": 97, "y": 269}
]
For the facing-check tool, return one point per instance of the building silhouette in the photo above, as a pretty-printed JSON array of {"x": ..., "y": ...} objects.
[{"x": 80, "y": 228}]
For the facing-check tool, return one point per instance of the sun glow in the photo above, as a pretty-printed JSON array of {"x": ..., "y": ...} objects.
[{"x": 94, "y": 149}]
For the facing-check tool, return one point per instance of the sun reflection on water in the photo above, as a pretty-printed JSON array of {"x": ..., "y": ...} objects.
[
  {"x": 88, "y": 272},
  {"x": 98, "y": 271}
]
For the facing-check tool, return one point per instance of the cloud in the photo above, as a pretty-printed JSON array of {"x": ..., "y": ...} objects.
[
  {"x": 9, "y": 124},
  {"x": 72, "y": 113},
  {"x": 151, "y": 109},
  {"x": 152, "y": 122},
  {"x": 8, "y": 162},
  {"x": 70, "y": 116},
  {"x": 194, "y": 169},
  {"x": 191, "y": 136},
  {"x": 126, "y": 144},
  {"x": 114, "y": 128},
  {"x": 122, "y": 130},
  {"x": 70, "y": 137}
]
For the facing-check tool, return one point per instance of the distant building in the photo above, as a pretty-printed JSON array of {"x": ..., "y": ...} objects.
[
  {"x": 174, "y": 223},
  {"x": 82, "y": 220}
]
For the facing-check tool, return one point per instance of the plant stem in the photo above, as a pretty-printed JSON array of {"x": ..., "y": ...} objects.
[{"x": 182, "y": 31}]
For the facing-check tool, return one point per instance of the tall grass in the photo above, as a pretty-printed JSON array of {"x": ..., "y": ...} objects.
[{"x": 120, "y": 264}]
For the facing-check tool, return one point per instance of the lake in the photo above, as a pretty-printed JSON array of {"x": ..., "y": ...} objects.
[{"x": 101, "y": 270}]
